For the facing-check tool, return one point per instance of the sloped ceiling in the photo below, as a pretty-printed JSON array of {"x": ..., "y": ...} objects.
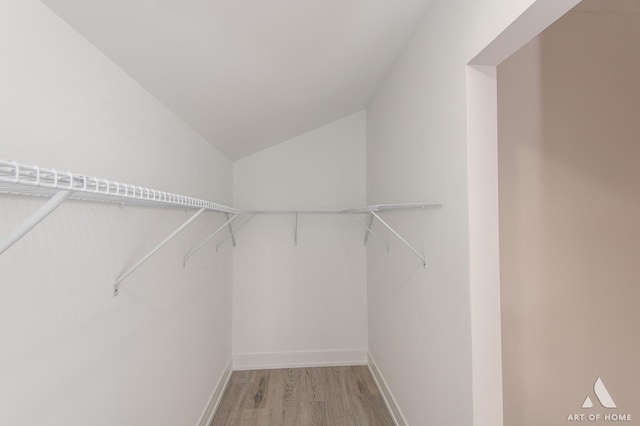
[{"x": 249, "y": 74}]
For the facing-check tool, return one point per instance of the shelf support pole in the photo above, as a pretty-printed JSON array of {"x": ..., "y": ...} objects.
[
  {"x": 195, "y": 250},
  {"x": 233, "y": 237},
  {"x": 37, "y": 217},
  {"x": 368, "y": 226},
  {"x": 236, "y": 231},
  {"x": 152, "y": 252},
  {"x": 295, "y": 232},
  {"x": 393, "y": 231},
  {"x": 369, "y": 230}
]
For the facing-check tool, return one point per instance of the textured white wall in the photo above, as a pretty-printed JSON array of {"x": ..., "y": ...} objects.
[
  {"x": 71, "y": 353},
  {"x": 569, "y": 200},
  {"x": 310, "y": 297}
]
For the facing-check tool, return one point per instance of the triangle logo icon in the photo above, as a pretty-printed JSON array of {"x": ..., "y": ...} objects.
[
  {"x": 587, "y": 403},
  {"x": 602, "y": 394}
]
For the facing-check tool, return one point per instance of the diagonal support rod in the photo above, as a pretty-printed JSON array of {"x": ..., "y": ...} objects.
[
  {"x": 37, "y": 217},
  {"x": 217, "y": 231},
  {"x": 368, "y": 226},
  {"x": 369, "y": 230},
  {"x": 236, "y": 231},
  {"x": 152, "y": 252},
  {"x": 295, "y": 232},
  {"x": 233, "y": 237},
  {"x": 424, "y": 261}
]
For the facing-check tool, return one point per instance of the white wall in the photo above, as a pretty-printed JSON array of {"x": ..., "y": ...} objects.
[
  {"x": 71, "y": 353},
  {"x": 419, "y": 320},
  {"x": 569, "y": 235},
  {"x": 304, "y": 303}
]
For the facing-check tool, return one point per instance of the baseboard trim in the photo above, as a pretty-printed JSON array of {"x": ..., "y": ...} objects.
[
  {"x": 265, "y": 361},
  {"x": 389, "y": 400},
  {"x": 214, "y": 400}
]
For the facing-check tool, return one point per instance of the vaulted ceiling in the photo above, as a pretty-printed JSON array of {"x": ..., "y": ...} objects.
[{"x": 248, "y": 74}]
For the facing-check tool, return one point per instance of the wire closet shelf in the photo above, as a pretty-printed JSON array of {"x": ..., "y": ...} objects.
[
  {"x": 59, "y": 186},
  {"x": 23, "y": 179}
]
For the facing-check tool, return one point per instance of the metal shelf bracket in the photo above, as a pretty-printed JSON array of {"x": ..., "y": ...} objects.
[
  {"x": 295, "y": 232},
  {"x": 152, "y": 252},
  {"x": 393, "y": 231},
  {"x": 219, "y": 244},
  {"x": 224, "y": 225},
  {"x": 368, "y": 226},
  {"x": 38, "y": 216},
  {"x": 233, "y": 237},
  {"x": 368, "y": 230}
]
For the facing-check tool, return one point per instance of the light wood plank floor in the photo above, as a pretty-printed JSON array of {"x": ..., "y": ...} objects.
[{"x": 326, "y": 396}]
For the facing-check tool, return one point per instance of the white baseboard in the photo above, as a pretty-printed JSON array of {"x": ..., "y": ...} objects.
[
  {"x": 392, "y": 405},
  {"x": 262, "y": 361},
  {"x": 216, "y": 396}
]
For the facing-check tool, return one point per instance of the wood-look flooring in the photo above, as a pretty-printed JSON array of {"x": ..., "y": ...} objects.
[{"x": 325, "y": 396}]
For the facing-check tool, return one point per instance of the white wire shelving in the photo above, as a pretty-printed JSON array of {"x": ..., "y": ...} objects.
[
  {"x": 23, "y": 179},
  {"x": 59, "y": 186}
]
